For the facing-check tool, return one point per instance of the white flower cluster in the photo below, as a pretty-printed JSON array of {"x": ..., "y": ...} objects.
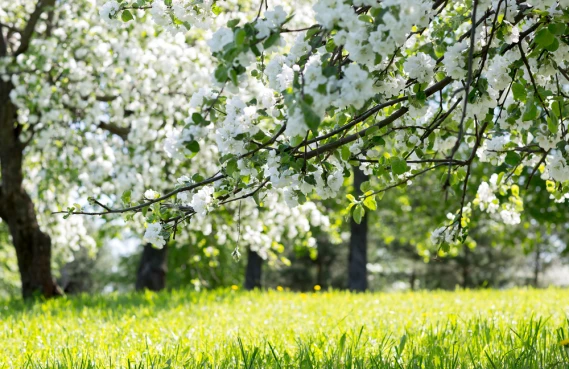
[
  {"x": 488, "y": 202},
  {"x": 202, "y": 200},
  {"x": 109, "y": 10},
  {"x": 220, "y": 38},
  {"x": 443, "y": 235},
  {"x": 455, "y": 60},
  {"x": 557, "y": 167},
  {"x": 491, "y": 151},
  {"x": 239, "y": 122},
  {"x": 420, "y": 67},
  {"x": 190, "y": 13},
  {"x": 272, "y": 21},
  {"x": 153, "y": 235},
  {"x": 326, "y": 185}
]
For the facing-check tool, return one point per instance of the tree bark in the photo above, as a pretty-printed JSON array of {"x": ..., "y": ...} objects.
[
  {"x": 466, "y": 280},
  {"x": 536, "y": 265},
  {"x": 33, "y": 247},
  {"x": 152, "y": 269},
  {"x": 412, "y": 279},
  {"x": 253, "y": 271},
  {"x": 357, "y": 263}
]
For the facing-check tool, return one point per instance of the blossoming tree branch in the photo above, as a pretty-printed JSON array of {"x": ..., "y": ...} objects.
[{"x": 399, "y": 88}]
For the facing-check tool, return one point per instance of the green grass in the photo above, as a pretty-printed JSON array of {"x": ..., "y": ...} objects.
[{"x": 233, "y": 329}]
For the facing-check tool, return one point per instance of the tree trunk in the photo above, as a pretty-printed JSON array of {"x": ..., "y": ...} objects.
[
  {"x": 536, "y": 265},
  {"x": 253, "y": 272},
  {"x": 466, "y": 280},
  {"x": 357, "y": 264},
  {"x": 412, "y": 279},
  {"x": 33, "y": 247},
  {"x": 152, "y": 269}
]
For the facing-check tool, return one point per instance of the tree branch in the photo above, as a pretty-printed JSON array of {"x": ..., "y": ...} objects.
[
  {"x": 3, "y": 43},
  {"x": 383, "y": 123},
  {"x": 122, "y": 132},
  {"x": 150, "y": 202},
  {"x": 30, "y": 28}
]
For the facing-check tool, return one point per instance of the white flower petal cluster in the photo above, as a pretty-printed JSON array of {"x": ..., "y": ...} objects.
[
  {"x": 272, "y": 21},
  {"x": 220, "y": 38},
  {"x": 557, "y": 167},
  {"x": 445, "y": 234},
  {"x": 202, "y": 200},
  {"x": 420, "y": 67},
  {"x": 108, "y": 10},
  {"x": 153, "y": 235}
]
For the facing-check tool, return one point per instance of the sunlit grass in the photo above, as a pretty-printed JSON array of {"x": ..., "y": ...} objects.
[{"x": 233, "y": 329}]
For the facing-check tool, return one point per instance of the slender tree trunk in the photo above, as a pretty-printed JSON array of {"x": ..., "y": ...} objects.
[
  {"x": 536, "y": 265},
  {"x": 357, "y": 263},
  {"x": 320, "y": 264},
  {"x": 33, "y": 247},
  {"x": 254, "y": 269},
  {"x": 466, "y": 280},
  {"x": 152, "y": 269},
  {"x": 412, "y": 279}
]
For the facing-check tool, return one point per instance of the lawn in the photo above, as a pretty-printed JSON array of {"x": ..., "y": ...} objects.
[{"x": 233, "y": 329}]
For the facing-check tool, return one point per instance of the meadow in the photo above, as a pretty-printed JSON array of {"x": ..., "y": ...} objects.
[{"x": 277, "y": 329}]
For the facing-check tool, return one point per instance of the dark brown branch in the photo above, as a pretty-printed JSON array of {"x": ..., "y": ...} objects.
[
  {"x": 122, "y": 132},
  {"x": 383, "y": 123},
  {"x": 3, "y": 43},
  {"x": 106, "y": 98},
  {"x": 525, "y": 60},
  {"x": 30, "y": 28},
  {"x": 404, "y": 180},
  {"x": 150, "y": 202}
]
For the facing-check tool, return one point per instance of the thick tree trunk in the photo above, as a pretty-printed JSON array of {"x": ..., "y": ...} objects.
[
  {"x": 33, "y": 247},
  {"x": 152, "y": 269},
  {"x": 253, "y": 272},
  {"x": 357, "y": 263}
]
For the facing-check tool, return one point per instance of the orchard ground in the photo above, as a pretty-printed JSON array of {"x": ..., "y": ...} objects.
[{"x": 277, "y": 329}]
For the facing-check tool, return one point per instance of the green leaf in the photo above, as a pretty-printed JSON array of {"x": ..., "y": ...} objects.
[
  {"x": 193, "y": 146},
  {"x": 398, "y": 165},
  {"x": 557, "y": 28},
  {"x": 126, "y": 197},
  {"x": 370, "y": 203},
  {"x": 345, "y": 153},
  {"x": 231, "y": 167},
  {"x": 530, "y": 112},
  {"x": 513, "y": 158},
  {"x": 351, "y": 197},
  {"x": 365, "y": 18},
  {"x": 544, "y": 38},
  {"x": 365, "y": 186},
  {"x": 232, "y": 23},
  {"x": 126, "y": 15},
  {"x": 221, "y": 73},
  {"x": 240, "y": 36},
  {"x": 553, "y": 46},
  {"x": 311, "y": 119},
  {"x": 358, "y": 213},
  {"x": 311, "y": 32},
  {"x": 553, "y": 124},
  {"x": 271, "y": 40},
  {"x": 233, "y": 76},
  {"x": 215, "y": 9},
  {"x": 197, "y": 118},
  {"x": 519, "y": 91}
]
